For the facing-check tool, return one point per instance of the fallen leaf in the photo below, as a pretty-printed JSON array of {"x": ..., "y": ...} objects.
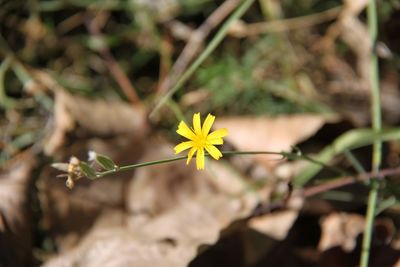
[
  {"x": 275, "y": 225},
  {"x": 95, "y": 117},
  {"x": 15, "y": 228},
  {"x": 341, "y": 230},
  {"x": 69, "y": 214},
  {"x": 340, "y": 243},
  {"x": 172, "y": 210},
  {"x": 275, "y": 134}
]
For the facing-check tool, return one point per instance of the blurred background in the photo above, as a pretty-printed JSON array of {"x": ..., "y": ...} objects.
[{"x": 79, "y": 76}]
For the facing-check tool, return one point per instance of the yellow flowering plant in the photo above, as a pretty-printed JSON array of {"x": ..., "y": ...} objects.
[
  {"x": 200, "y": 139},
  {"x": 201, "y": 142}
]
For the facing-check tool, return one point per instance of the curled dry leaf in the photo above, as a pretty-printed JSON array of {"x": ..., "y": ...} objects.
[
  {"x": 270, "y": 133},
  {"x": 15, "y": 228},
  {"x": 95, "y": 117}
]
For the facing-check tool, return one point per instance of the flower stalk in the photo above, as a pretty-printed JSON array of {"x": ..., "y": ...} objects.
[
  {"x": 77, "y": 169},
  {"x": 163, "y": 161}
]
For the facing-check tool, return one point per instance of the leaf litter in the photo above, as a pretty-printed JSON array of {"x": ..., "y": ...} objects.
[
  {"x": 171, "y": 215},
  {"x": 166, "y": 220},
  {"x": 16, "y": 238}
]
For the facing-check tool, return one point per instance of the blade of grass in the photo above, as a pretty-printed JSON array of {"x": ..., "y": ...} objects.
[
  {"x": 219, "y": 36},
  {"x": 349, "y": 140},
  {"x": 354, "y": 162},
  {"x": 376, "y": 126}
]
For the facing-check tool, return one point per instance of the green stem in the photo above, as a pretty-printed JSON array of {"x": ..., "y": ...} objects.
[
  {"x": 134, "y": 166},
  {"x": 225, "y": 153},
  {"x": 350, "y": 140},
  {"x": 354, "y": 161},
  {"x": 376, "y": 126},
  {"x": 207, "y": 51}
]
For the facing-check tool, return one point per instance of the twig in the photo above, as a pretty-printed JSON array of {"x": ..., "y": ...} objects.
[
  {"x": 245, "y": 30},
  {"x": 195, "y": 43},
  {"x": 347, "y": 180},
  {"x": 112, "y": 64},
  {"x": 318, "y": 189}
]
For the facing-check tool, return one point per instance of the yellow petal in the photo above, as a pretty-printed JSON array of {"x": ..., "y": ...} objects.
[
  {"x": 183, "y": 146},
  {"x": 214, "y": 152},
  {"x": 216, "y": 141},
  {"x": 200, "y": 159},
  {"x": 217, "y": 134},
  {"x": 207, "y": 124},
  {"x": 197, "y": 124},
  {"x": 185, "y": 131},
  {"x": 190, "y": 155}
]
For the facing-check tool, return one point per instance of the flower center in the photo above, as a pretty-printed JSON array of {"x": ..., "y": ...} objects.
[{"x": 201, "y": 142}]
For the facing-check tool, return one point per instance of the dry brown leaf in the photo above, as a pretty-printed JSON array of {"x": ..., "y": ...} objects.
[
  {"x": 218, "y": 188},
  {"x": 15, "y": 228},
  {"x": 271, "y": 229},
  {"x": 340, "y": 241},
  {"x": 355, "y": 34},
  {"x": 172, "y": 209},
  {"x": 354, "y": 7},
  {"x": 119, "y": 247},
  {"x": 341, "y": 230},
  {"x": 69, "y": 214},
  {"x": 95, "y": 117},
  {"x": 275, "y": 225},
  {"x": 269, "y": 134}
]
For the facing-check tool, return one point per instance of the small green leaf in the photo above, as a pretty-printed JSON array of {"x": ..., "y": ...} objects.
[
  {"x": 105, "y": 162},
  {"x": 87, "y": 170}
]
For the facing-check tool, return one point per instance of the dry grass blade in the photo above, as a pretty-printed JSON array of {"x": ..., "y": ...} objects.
[{"x": 242, "y": 30}]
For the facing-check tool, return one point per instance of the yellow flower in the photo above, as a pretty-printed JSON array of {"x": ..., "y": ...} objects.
[{"x": 200, "y": 139}]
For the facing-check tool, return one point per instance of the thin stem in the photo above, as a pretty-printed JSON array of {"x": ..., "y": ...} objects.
[
  {"x": 294, "y": 156},
  {"x": 225, "y": 153},
  {"x": 134, "y": 166},
  {"x": 229, "y": 153},
  {"x": 354, "y": 161},
  {"x": 334, "y": 184},
  {"x": 376, "y": 126},
  {"x": 281, "y": 25},
  {"x": 350, "y": 140}
]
